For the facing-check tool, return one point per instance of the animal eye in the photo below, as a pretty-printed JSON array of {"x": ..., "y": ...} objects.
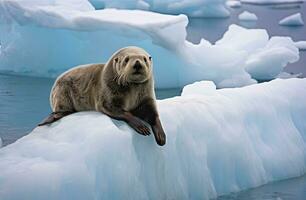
[
  {"x": 145, "y": 59},
  {"x": 126, "y": 59},
  {"x": 150, "y": 58}
]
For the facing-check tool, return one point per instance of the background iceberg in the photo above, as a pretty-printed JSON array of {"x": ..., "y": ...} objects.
[
  {"x": 292, "y": 20},
  {"x": 258, "y": 132},
  {"x": 247, "y": 16},
  {"x": 45, "y": 40},
  {"x": 192, "y": 8}
]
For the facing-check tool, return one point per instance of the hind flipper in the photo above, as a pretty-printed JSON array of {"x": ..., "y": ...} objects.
[{"x": 54, "y": 117}]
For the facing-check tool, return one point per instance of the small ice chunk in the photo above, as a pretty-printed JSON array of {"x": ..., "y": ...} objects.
[
  {"x": 233, "y": 4},
  {"x": 301, "y": 45},
  {"x": 247, "y": 16},
  {"x": 292, "y": 20}
]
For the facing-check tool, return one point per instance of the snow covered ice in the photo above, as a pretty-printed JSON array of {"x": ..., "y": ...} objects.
[
  {"x": 247, "y": 16},
  {"x": 192, "y": 8},
  {"x": 62, "y": 36},
  {"x": 218, "y": 141},
  {"x": 292, "y": 20}
]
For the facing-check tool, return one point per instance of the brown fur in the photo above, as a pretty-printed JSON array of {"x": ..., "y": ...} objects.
[{"x": 123, "y": 89}]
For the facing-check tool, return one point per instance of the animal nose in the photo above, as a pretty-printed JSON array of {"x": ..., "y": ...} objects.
[{"x": 137, "y": 65}]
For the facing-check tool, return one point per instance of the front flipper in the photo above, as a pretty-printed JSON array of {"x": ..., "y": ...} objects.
[
  {"x": 138, "y": 125},
  {"x": 148, "y": 112},
  {"x": 159, "y": 134},
  {"x": 133, "y": 121}
]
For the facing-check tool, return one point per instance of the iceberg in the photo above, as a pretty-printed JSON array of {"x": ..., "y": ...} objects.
[
  {"x": 218, "y": 142},
  {"x": 266, "y": 63},
  {"x": 292, "y": 20},
  {"x": 46, "y": 40},
  {"x": 247, "y": 16},
  {"x": 192, "y": 8}
]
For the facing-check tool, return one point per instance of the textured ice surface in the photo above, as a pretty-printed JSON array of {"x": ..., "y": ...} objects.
[
  {"x": 45, "y": 40},
  {"x": 247, "y": 16},
  {"x": 301, "y": 45},
  {"x": 218, "y": 141},
  {"x": 292, "y": 20},
  {"x": 192, "y": 8},
  {"x": 271, "y": 1}
]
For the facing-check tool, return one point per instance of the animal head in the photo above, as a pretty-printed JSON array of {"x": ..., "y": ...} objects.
[{"x": 132, "y": 65}]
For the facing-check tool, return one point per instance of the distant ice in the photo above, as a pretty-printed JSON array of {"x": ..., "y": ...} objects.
[
  {"x": 45, "y": 40},
  {"x": 0, "y": 142},
  {"x": 292, "y": 20},
  {"x": 233, "y": 3},
  {"x": 271, "y": 1},
  {"x": 285, "y": 75},
  {"x": 192, "y": 8},
  {"x": 301, "y": 45},
  {"x": 247, "y": 16},
  {"x": 218, "y": 142}
]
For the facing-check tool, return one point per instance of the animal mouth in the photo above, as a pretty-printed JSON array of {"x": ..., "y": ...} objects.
[{"x": 137, "y": 73}]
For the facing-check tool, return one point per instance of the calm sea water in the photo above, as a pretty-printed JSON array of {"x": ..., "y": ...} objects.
[{"x": 24, "y": 101}]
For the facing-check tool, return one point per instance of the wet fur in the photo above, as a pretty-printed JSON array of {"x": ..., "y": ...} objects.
[{"x": 106, "y": 88}]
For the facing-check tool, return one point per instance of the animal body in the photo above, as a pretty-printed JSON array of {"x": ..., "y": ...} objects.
[{"x": 123, "y": 89}]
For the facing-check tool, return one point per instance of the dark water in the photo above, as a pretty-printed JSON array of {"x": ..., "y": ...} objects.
[{"x": 24, "y": 101}]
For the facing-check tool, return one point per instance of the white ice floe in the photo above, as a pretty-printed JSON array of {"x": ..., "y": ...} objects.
[
  {"x": 233, "y": 3},
  {"x": 192, "y": 8},
  {"x": 272, "y": 1},
  {"x": 301, "y": 45},
  {"x": 266, "y": 63},
  {"x": 292, "y": 20},
  {"x": 247, "y": 16},
  {"x": 265, "y": 58},
  {"x": 45, "y": 40},
  {"x": 218, "y": 142}
]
